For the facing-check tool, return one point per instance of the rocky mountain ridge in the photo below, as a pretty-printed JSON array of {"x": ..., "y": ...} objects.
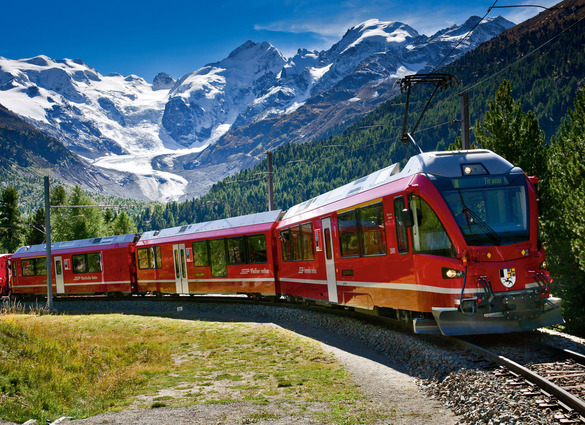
[{"x": 170, "y": 140}]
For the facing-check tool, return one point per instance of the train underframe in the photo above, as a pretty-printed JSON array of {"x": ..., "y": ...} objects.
[{"x": 506, "y": 312}]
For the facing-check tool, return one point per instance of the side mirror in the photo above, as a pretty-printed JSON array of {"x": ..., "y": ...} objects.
[{"x": 406, "y": 217}]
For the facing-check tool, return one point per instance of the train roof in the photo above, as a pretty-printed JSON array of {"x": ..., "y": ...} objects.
[
  {"x": 443, "y": 164},
  {"x": 28, "y": 251},
  {"x": 448, "y": 163},
  {"x": 267, "y": 217}
]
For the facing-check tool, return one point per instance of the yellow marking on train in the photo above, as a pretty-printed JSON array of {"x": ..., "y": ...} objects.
[{"x": 363, "y": 204}]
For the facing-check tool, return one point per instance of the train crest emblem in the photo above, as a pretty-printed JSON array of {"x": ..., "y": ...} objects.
[{"x": 508, "y": 277}]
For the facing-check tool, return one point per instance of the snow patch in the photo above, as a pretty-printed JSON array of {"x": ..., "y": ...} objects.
[{"x": 317, "y": 73}]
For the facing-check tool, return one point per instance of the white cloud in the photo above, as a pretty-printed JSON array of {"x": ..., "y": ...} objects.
[
  {"x": 521, "y": 14},
  {"x": 326, "y": 30}
]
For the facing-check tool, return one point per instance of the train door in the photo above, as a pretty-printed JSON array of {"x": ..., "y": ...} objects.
[
  {"x": 329, "y": 260},
  {"x": 180, "y": 261},
  {"x": 59, "y": 281}
]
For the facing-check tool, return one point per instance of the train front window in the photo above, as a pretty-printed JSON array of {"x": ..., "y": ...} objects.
[
  {"x": 490, "y": 211},
  {"x": 428, "y": 234}
]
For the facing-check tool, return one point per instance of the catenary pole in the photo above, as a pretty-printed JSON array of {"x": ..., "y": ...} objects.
[
  {"x": 465, "y": 120},
  {"x": 270, "y": 192},
  {"x": 49, "y": 260}
]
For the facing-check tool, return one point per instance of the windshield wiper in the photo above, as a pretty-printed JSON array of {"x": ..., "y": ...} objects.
[{"x": 472, "y": 217}]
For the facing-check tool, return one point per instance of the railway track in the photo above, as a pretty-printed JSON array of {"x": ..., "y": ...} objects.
[{"x": 555, "y": 376}]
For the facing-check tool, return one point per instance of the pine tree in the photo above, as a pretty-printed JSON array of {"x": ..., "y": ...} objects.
[
  {"x": 513, "y": 134},
  {"x": 36, "y": 228},
  {"x": 11, "y": 230},
  {"x": 78, "y": 223},
  {"x": 122, "y": 225},
  {"x": 564, "y": 206}
]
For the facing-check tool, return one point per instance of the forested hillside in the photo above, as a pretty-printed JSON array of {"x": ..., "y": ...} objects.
[{"x": 543, "y": 59}]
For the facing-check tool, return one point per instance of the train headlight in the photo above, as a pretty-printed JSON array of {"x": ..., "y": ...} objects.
[
  {"x": 452, "y": 273},
  {"x": 543, "y": 265},
  {"x": 475, "y": 169}
]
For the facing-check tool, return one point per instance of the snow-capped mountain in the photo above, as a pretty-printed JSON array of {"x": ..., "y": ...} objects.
[
  {"x": 173, "y": 139},
  {"x": 203, "y": 105}
]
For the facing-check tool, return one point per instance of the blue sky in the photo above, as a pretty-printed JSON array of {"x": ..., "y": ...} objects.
[{"x": 177, "y": 37}]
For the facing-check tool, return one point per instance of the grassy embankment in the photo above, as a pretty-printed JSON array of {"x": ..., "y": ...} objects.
[{"x": 57, "y": 365}]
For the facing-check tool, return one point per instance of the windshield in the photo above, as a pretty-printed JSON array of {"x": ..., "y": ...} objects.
[{"x": 490, "y": 210}]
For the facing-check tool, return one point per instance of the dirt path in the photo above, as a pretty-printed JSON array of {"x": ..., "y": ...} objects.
[{"x": 385, "y": 383}]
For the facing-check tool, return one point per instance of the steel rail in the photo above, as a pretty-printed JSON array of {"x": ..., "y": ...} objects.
[
  {"x": 562, "y": 395},
  {"x": 578, "y": 357}
]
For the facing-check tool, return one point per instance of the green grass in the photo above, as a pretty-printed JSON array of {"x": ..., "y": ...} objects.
[{"x": 78, "y": 366}]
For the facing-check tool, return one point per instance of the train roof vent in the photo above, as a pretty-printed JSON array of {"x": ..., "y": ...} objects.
[
  {"x": 354, "y": 190},
  {"x": 182, "y": 229},
  {"x": 96, "y": 241}
]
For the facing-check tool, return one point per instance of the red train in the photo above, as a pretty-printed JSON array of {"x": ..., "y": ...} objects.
[
  {"x": 449, "y": 242},
  {"x": 229, "y": 256},
  {"x": 88, "y": 266}
]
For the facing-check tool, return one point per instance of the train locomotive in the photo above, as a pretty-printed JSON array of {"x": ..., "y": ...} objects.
[{"x": 449, "y": 243}]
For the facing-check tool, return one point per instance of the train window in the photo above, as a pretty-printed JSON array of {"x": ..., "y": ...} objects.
[
  {"x": 177, "y": 264},
  {"x": 297, "y": 244},
  {"x": 236, "y": 250},
  {"x": 307, "y": 241},
  {"x": 285, "y": 244},
  {"x": 348, "y": 234},
  {"x": 41, "y": 266},
  {"x": 79, "y": 263},
  {"x": 94, "y": 262},
  {"x": 149, "y": 258},
  {"x": 218, "y": 257},
  {"x": 428, "y": 234},
  {"x": 257, "y": 249},
  {"x": 157, "y": 257},
  {"x": 372, "y": 231},
  {"x": 200, "y": 254},
  {"x": 34, "y": 267},
  {"x": 183, "y": 269},
  {"x": 28, "y": 267},
  {"x": 142, "y": 256},
  {"x": 328, "y": 252},
  {"x": 87, "y": 263},
  {"x": 401, "y": 230}
]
